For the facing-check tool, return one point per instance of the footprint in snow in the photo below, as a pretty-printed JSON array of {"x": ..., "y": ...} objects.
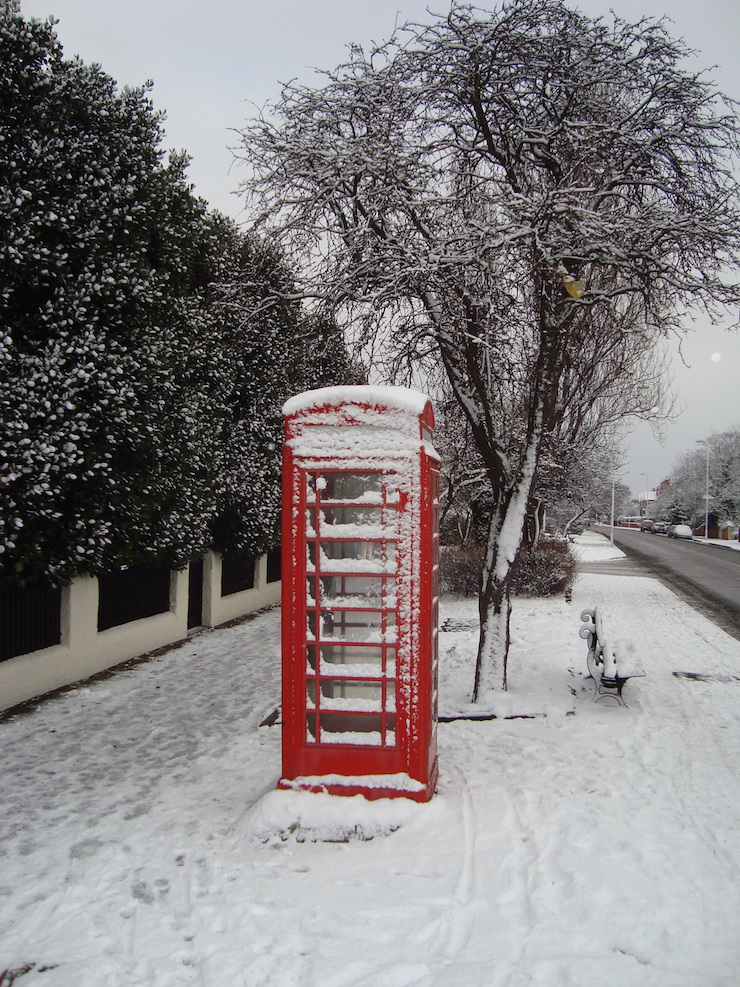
[{"x": 86, "y": 848}]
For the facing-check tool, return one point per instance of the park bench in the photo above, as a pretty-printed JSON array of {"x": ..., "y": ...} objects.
[{"x": 606, "y": 666}]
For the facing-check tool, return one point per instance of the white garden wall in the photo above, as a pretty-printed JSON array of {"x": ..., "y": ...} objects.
[
  {"x": 219, "y": 609},
  {"x": 85, "y": 651}
]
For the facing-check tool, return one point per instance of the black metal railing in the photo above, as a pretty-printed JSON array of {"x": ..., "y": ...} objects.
[
  {"x": 30, "y": 619},
  {"x": 274, "y": 565},
  {"x": 132, "y": 594},
  {"x": 195, "y": 593},
  {"x": 237, "y": 574}
]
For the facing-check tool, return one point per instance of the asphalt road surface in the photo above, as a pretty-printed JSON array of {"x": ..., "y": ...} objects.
[{"x": 708, "y": 575}]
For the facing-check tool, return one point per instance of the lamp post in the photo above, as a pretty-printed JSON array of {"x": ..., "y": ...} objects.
[
  {"x": 646, "y": 493},
  {"x": 707, "y": 498},
  {"x": 706, "y": 501},
  {"x": 611, "y": 539}
]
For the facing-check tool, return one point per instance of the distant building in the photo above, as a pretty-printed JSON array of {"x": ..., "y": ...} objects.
[{"x": 644, "y": 500}]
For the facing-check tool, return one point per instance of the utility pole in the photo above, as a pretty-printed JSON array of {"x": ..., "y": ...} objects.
[
  {"x": 706, "y": 501},
  {"x": 612, "y": 534}
]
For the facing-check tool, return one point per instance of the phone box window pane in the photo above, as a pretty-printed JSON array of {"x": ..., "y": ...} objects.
[
  {"x": 356, "y": 590},
  {"x": 351, "y": 655},
  {"x": 351, "y": 486},
  {"x": 351, "y": 728},
  {"x": 359, "y": 556},
  {"x": 352, "y": 549},
  {"x": 354, "y": 625},
  {"x": 359, "y": 516},
  {"x": 346, "y": 728},
  {"x": 390, "y": 662},
  {"x": 351, "y": 693}
]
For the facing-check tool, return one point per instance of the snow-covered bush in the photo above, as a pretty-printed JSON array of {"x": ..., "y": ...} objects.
[
  {"x": 264, "y": 351},
  {"x": 143, "y": 357},
  {"x": 460, "y": 568},
  {"x": 547, "y": 570},
  {"x": 101, "y": 436}
]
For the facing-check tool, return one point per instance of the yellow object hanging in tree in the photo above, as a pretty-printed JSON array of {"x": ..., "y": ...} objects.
[{"x": 573, "y": 287}]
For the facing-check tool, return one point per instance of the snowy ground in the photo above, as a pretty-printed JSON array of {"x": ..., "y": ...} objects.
[{"x": 598, "y": 848}]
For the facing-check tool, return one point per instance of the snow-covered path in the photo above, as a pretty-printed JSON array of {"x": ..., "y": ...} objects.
[{"x": 589, "y": 845}]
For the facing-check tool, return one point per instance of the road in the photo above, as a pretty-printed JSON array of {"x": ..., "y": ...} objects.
[{"x": 708, "y": 574}]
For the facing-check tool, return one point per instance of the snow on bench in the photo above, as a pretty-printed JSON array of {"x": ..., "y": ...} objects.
[{"x": 606, "y": 665}]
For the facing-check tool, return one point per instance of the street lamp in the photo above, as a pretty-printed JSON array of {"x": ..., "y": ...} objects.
[
  {"x": 707, "y": 498},
  {"x": 706, "y": 501},
  {"x": 646, "y": 492},
  {"x": 611, "y": 539},
  {"x": 614, "y": 486}
]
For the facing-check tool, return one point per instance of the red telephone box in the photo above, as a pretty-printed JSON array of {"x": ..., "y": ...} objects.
[{"x": 360, "y": 574}]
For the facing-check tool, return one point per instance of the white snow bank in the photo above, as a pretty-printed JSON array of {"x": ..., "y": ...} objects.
[
  {"x": 316, "y": 816},
  {"x": 732, "y": 543}
]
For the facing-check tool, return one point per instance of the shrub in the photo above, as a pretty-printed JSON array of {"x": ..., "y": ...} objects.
[
  {"x": 146, "y": 344},
  {"x": 547, "y": 570},
  {"x": 460, "y": 568}
]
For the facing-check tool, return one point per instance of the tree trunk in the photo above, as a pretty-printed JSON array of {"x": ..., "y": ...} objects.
[
  {"x": 494, "y": 607},
  {"x": 571, "y": 522}
]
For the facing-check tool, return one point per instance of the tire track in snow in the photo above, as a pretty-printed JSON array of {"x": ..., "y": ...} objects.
[
  {"x": 461, "y": 914},
  {"x": 503, "y": 848},
  {"x": 469, "y": 905},
  {"x": 694, "y": 718},
  {"x": 448, "y": 930},
  {"x": 523, "y": 878},
  {"x": 698, "y": 798}
]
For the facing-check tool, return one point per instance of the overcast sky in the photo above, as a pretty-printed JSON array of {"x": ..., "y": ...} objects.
[{"x": 211, "y": 61}]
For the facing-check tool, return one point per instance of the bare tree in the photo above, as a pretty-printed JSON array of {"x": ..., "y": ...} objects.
[
  {"x": 530, "y": 197},
  {"x": 713, "y": 468},
  {"x": 576, "y": 483}
]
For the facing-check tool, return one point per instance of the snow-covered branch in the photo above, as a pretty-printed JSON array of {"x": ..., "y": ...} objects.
[{"x": 445, "y": 190}]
